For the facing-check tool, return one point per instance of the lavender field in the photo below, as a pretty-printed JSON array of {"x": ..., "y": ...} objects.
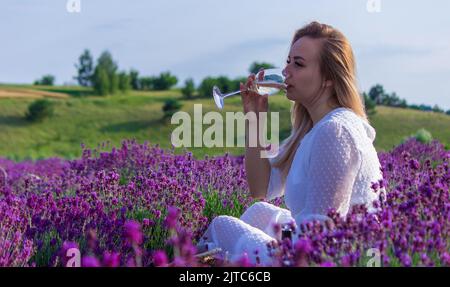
[{"x": 140, "y": 205}]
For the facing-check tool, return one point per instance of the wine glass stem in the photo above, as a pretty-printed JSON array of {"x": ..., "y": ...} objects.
[{"x": 231, "y": 94}]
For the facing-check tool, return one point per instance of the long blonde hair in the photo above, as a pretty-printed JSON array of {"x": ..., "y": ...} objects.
[{"x": 336, "y": 64}]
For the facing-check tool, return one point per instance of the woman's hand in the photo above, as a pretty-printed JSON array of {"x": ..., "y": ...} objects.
[{"x": 251, "y": 100}]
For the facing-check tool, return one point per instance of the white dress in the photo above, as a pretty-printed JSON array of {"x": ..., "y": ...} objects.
[{"x": 333, "y": 167}]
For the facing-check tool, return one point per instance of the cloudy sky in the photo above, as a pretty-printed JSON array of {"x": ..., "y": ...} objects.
[{"x": 403, "y": 44}]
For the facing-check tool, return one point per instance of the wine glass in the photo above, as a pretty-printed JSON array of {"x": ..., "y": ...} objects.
[{"x": 272, "y": 82}]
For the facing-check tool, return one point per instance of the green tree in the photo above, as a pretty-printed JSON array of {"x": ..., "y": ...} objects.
[
  {"x": 391, "y": 100},
  {"x": 426, "y": 108},
  {"x": 114, "y": 83},
  {"x": 106, "y": 61},
  {"x": 255, "y": 67},
  {"x": 235, "y": 84},
  {"x": 377, "y": 94},
  {"x": 414, "y": 107},
  {"x": 403, "y": 103},
  {"x": 188, "y": 89},
  {"x": 101, "y": 81},
  {"x": 39, "y": 110},
  {"x": 46, "y": 80},
  {"x": 206, "y": 86},
  {"x": 134, "y": 80},
  {"x": 146, "y": 83},
  {"x": 224, "y": 84},
  {"x": 105, "y": 65},
  {"x": 85, "y": 69},
  {"x": 437, "y": 109},
  {"x": 369, "y": 104},
  {"x": 124, "y": 82},
  {"x": 170, "y": 107},
  {"x": 165, "y": 81}
]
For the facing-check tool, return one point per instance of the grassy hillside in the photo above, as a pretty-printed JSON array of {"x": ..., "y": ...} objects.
[{"x": 83, "y": 118}]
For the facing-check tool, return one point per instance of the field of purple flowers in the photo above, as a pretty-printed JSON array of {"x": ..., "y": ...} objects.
[{"x": 139, "y": 205}]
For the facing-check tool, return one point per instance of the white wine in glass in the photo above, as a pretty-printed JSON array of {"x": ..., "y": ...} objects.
[{"x": 271, "y": 83}]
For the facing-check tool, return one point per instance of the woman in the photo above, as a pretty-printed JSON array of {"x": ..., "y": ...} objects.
[{"x": 328, "y": 161}]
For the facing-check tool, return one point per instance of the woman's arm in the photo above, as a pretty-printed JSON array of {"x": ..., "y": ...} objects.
[{"x": 256, "y": 167}]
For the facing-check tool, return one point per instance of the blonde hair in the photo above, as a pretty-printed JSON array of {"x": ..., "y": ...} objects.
[{"x": 336, "y": 64}]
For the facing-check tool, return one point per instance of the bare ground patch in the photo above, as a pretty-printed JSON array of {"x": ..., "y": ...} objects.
[{"x": 29, "y": 94}]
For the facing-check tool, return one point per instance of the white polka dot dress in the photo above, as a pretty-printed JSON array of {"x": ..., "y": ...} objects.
[{"x": 333, "y": 167}]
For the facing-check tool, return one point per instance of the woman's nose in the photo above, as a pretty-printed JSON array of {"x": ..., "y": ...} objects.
[{"x": 284, "y": 72}]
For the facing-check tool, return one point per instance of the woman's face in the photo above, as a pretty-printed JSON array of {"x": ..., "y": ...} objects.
[{"x": 302, "y": 70}]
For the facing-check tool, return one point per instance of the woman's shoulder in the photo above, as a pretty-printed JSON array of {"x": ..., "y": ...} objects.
[
  {"x": 336, "y": 120},
  {"x": 346, "y": 120},
  {"x": 344, "y": 116}
]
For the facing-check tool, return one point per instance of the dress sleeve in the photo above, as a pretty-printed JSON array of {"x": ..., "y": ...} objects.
[
  {"x": 333, "y": 167},
  {"x": 276, "y": 185}
]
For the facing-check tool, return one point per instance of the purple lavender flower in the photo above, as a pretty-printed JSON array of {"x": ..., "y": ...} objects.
[
  {"x": 90, "y": 261},
  {"x": 111, "y": 259},
  {"x": 132, "y": 230},
  {"x": 172, "y": 217},
  {"x": 54, "y": 200},
  {"x": 160, "y": 258}
]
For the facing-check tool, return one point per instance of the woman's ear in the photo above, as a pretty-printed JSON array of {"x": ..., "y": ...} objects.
[{"x": 327, "y": 83}]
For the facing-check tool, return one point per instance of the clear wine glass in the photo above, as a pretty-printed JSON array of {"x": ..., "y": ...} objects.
[{"x": 272, "y": 83}]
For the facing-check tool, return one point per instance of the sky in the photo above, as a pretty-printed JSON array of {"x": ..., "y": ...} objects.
[{"x": 403, "y": 44}]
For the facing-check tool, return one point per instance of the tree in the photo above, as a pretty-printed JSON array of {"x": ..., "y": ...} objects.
[
  {"x": 235, "y": 84},
  {"x": 105, "y": 79},
  {"x": 377, "y": 94},
  {"x": 106, "y": 61},
  {"x": 46, "y": 80},
  {"x": 114, "y": 83},
  {"x": 134, "y": 80},
  {"x": 188, "y": 89},
  {"x": 391, "y": 100},
  {"x": 425, "y": 108},
  {"x": 146, "y": 83},
  {"x": 224, "y": 84},
  {"x": 101, "y": 81},
  {"x": 206, "y": 86},
  {"x": 448, "y": 112},
  {"x": 437, "y": 109},
  {"x": 39, "y": 110},
  {"x": 255, "y": 67},
  {"x": 414, "y": 107},
  {"x": 170, "y": 107},
  {"x": 369, "y": 105},
  {"x": 403, "y": 103},
  {"x": 164, "y": 82},
  {"x": 85, "y": 69},
  {"x": 124, "y": 82}
]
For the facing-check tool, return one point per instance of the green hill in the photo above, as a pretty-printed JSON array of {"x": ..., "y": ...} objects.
[{"x": 83, "y": 118}]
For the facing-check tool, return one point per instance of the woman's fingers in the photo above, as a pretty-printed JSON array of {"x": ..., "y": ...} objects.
[
  {"x": 264, "y": 98},
  {"x": 251, "y": 82},
  {"x": 261, "y": 74},
  {"x": 242, "y": 88}
]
